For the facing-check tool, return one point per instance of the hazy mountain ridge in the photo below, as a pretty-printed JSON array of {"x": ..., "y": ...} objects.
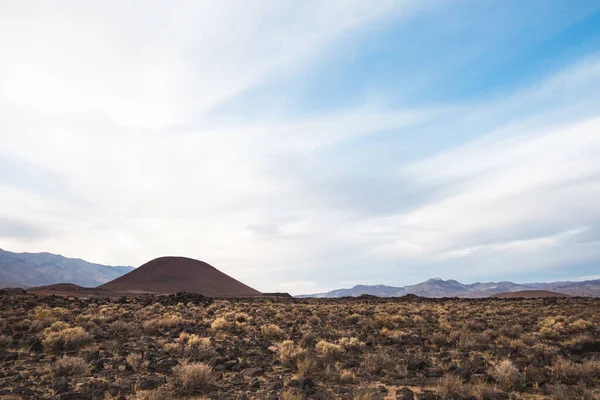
[
  {"x": 451, "y": 288},
  {"x": 37, "y": 269}
]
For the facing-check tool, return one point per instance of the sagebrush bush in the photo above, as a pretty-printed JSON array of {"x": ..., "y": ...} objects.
[
  {"x": 272, "y": 332},
  {"x": 569, "y": 372},
  {"x": 289, "y": 353},
  {"x": 220, "y": 324},
  {"x": 506, "y": 374},
  {"x": 193, "y": 377},
  {"x": 329, "y": 351},
  {"x": 451, "y": 387},
  {"x": 70, "y": 366},
  {"x": 66, "y": 339},
  {"x": 347, "y": 377},
  {"x": 198, "y": 348},
  {"x": 351, "y": 344},
  {"x": 134, "y": 360}
]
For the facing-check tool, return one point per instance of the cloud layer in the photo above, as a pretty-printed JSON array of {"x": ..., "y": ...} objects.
[{"x": 122, "y": 139}]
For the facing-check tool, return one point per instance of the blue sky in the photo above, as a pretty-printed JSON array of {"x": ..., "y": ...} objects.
[{"x": 306, "y": 146}]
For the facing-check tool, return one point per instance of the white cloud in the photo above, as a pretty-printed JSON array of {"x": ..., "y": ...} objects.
[
  {"x": 104, "y": 110},
  {"x": 155, "y": 64}
]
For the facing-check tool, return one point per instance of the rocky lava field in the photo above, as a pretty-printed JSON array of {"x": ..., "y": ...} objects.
[{"x": 188, "y": 346}]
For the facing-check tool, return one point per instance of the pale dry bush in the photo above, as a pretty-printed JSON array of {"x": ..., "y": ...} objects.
[
  {"x": 378, "y": 362},
  {"x": 122, "y": 328},
  {"x": 562, "y": 392},
  {"x": 305, "y": 366},
  {"x": 309, "y": 339},
  {"x": 567, "y": 371},
  {"x": 134, "y": 360},
  {"x": 157, "y": 394},
  {"x": 451, "y": 387},
  {"x": 482, "y": 390},
  {"x": 221, "y": 324},
  {"x": 354, "y": 319},
  {"x": 242, "y": 317},
  {"x": 198, "y": 348},
  {"x": 364, "y": 395},
  {"x": 394, "y": 334},
  {"x": 511, "y": 331},
  {"x": 289, "y": 353},
  {"x": 194, "y": 377},
  {"x": 70, "y": 366},
  {"x": 581, "y": 325},
  {"x": 291, "y": 395},
  {"x": 346, "y": 377},
  {"x": 551, "y": 328},
  {"x": 351, "y": 344},
  {"x": 272, "y": 332},
  {"x": 64, "y": 338},
  {"x": 506, "y": 374},
  {"x": 329, "y": 351}
]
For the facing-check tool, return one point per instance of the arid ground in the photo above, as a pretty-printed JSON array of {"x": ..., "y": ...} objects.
[{"x": 186, "y": 346}]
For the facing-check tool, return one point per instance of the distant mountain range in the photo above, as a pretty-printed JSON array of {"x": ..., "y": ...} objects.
[
  {"x": 38, "y": 269},
  {"x": 450, "y": 288}
]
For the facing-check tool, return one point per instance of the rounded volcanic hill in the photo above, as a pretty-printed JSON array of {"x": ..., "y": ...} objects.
[
  {"x": 529, "y": 294},
  {"x": 167, "y": 275}
]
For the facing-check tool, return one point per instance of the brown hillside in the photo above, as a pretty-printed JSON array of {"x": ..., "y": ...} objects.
[
  {"x": 168, "y": 275},
  {"x": 529, "y": 294}
]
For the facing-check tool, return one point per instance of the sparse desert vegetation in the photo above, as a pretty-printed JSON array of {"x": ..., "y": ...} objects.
[{"x": 186, "y": 346}]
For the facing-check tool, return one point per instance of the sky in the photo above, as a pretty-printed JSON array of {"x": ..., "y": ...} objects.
[{"x": 304, "y": 146}]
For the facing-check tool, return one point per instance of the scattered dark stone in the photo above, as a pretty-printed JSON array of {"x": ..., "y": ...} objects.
[
  {"x": 342, "y": 390},
  {"x": 305, "y": 384},
  {"x": 255, "y": 384},
  {"x": 9, "y": 356},
  {"x": 60, "y": 386},
  {"x": 426, "y": 395},
  {"x": 239, "y": 366},
  {"x": 416, "y": 363},
  {"x": 150, "y": 382},
  {"x": 180, "y": 297},
  {"x": 252, "y": 372},
  {"x": 23, "y": 391},
  {"x": 433, "y": 372},
  {"x": 382, "y": 389},
  {"x": 68, "y": 396},
  {"x": 278, "y": 294},
  {"x": 405, "y": 394},
  {"x": 220, "y": 367},
  {"x": 165, "y": 366},
  {"x": 585, "y": 347}
]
